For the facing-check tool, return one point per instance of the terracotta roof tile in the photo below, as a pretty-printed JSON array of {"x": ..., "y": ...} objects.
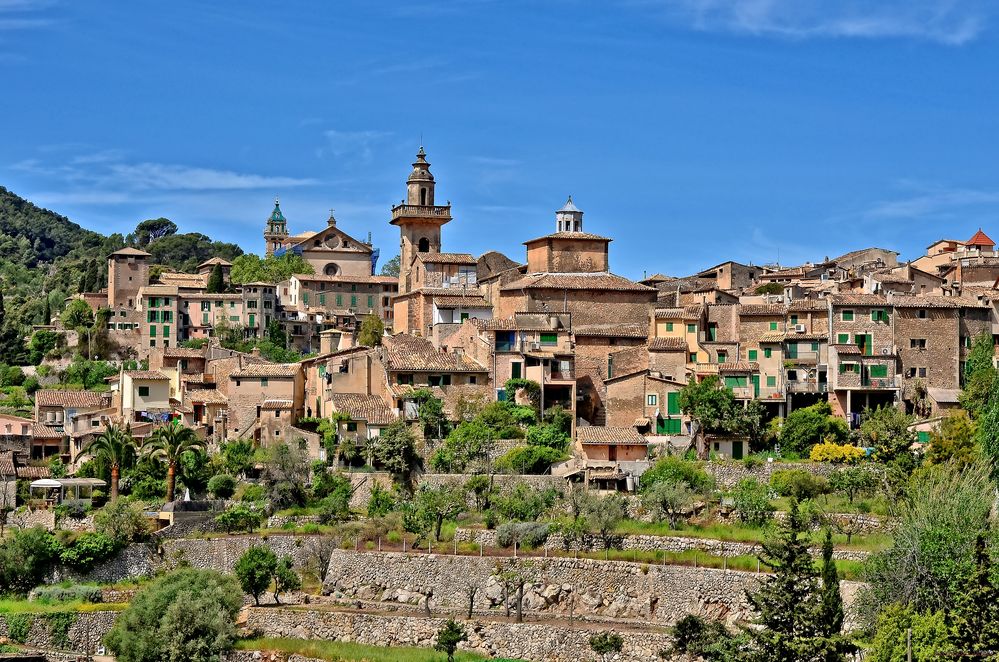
[
  {"x": 414, "y": 354},
  {"x": 600, "y": 434},
  {"x": 936, "y": 301},
  {"x": 569, "y": 235},
  {"x": 73, "y": 399},
  {"x": 739, "y": 366},
  {"x": 272, "y": 404},
  {"x": 458, "y": 301},
  {"x": 33, "y": 473},
  {"x": 762, "y": 310},
  {"x": 859, "y": 300},
  {"x": 577, "y": 281},
  {"x": 667, "y": 345},
  {"x": 268, "y": 370},
  {"x": 147, "y": 374},
  {"x": 806, "y": 305},
  {"x": 40, "y": 431},
  {"x": 447, "y": 258},
  {"x": 205, "y": 396},
  {"x": 7, "y": 464},
  {"x": 621, "y": 330},
  {"x": 845, "y": 349},
  {"x": 184, "y": 352},
  {"x": 369, "y": 408}
]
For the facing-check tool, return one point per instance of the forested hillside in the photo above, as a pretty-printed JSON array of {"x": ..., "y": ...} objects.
[{"x": 42, "y": 252}]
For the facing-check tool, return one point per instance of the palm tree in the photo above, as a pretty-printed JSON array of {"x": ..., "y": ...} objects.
[
  {"x": 168, "y": 444},
  {"x": 116, "y": 446}
]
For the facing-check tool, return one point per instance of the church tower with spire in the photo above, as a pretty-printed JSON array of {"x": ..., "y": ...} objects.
[
  {"x": 419, "y": 220},
  {"x": 276, "y": 230}
]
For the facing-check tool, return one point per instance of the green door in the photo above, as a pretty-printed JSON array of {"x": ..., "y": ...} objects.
[
  {"x": 792, "y": 350},
  {"x": 515, "y": 370},
  {"x": 756, "y": 386},
  {"x": 736, "y": 450},
  {"x": 673, "y": 403}
]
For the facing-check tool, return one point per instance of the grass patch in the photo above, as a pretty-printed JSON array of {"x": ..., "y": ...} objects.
[
  {"x": 8, "y": 606},
  {"x": 340, "y": 651}
]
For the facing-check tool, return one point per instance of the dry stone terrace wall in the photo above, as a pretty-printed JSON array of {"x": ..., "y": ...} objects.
[
  {"x": 528, "y": 641},
  {"x": 222, "y": 553},
  {"x": 597, "y": 589},
  {"x": 727, "y": 474},
  {"x": 644, "y": 543},
  {"x": 83, "y": 636}
]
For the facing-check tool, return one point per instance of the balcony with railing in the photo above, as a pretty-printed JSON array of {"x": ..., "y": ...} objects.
[
  {"x": 743, "y": 392},
  {"x": 421, "y": 211},
  {"x": 770, "y": 393},
  {"x": 807, "y": 357},
  {"x": 808, "y": 387}
]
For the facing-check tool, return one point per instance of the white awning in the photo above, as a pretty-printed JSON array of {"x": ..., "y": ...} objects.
[{"x": 45, "y": 483}]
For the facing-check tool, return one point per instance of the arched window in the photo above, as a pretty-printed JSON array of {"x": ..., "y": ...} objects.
[
  {"x": 424, "y": 245},
  {"x": 423, "y": 196}
]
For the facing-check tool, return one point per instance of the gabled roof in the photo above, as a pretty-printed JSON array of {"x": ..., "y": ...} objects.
[
  {"x": 602, "y": 434},
  {"x": 277, "y": 370},
  {"x": 409, "y": 353},
  {"x": 185, "y": 352},
  {"x": 568, "y": 235},
  {"x": 980, "y": 239},
  {"x": 675, "y": 344},
  {"x": 205, "y": 396},
  {"x": 369, "y": 408},
  {"x": 73, "y": 399},
  {"x": 151, "y": 375},
  {"x": 575, "y": 281},
  {"x": 447, "y": 258},
  {"x": 133, "y": 252},
  {"x": 806, "y": 305},
  {"x": 859, "y": 300},
  {"x": 456, "y": 300},
  {"x": 762, "y": 310},
  {"x": 211, "y": 262}
]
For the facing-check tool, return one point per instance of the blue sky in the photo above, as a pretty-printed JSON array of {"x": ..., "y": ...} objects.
[{"x": 690, "y": 131}]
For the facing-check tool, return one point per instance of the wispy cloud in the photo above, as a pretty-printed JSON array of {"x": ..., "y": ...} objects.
[
  {"x": 160, "y": 176},
  {"x": 952, "y": 22},
  {"x": 358, "y": 145},
  {"x": 933, "y": 201}
]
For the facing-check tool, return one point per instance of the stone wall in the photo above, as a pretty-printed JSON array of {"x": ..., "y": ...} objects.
[
  {"x": 221, "y": 553},
  {"x": 596, "y": 589},
  {"x": 84, "y": 634},
  {"x": 136, "y": 560},
  {"x": 647, "y": 543},
  {"x": 727, "y": 474},
  {"x": 529, "y": 641}
]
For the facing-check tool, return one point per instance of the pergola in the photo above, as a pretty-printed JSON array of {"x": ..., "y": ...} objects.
[{"x": 56, "y": 489}]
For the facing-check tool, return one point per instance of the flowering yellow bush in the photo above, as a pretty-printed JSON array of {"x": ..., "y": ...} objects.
[{"x": 828, "y": 451}]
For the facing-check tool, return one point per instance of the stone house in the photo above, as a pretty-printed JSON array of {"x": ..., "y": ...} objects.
[
  {"x": 414, "y": 361},
  {"x": 206, "y": 409},
  {"x": 612, "y": 444},
  {"x": 688, "y": 323},
  {"x": 731, "y": 275},
  {"x": 128, "y": 271},
  {"x": 668, "y": 358},
  {"x": 29, "y": 440},
  {"x": 358, "y": 370},
  {"x": 808, "y": 316},
  {"x": 77, "y": 415},
  {"x": 645, "y": 401},
  {"x": 279, "y": 386},
  {"x": 201, "y": 312},
  {"x": 367, "y": 415},
  {"x": 160, "y": 313},
  {"x": 142, "y": 395}
]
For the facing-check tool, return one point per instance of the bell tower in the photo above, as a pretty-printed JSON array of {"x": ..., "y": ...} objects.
[
  {"x": 418, "y": 218},
  {"x": 276, "y": 230}
]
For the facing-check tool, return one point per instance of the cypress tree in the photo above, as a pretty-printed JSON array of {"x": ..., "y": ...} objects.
[
  {"x": 974, "y": 621},
  {"x": 93, "y": 276},
  {"x": 832, "y": 601},
  {"x": 216, "y": 281},
  {"x": 789, "y": 603}
]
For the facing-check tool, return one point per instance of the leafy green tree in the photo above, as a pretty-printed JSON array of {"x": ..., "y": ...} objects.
[
  {"x": 938, "y": 518},
  {"x": 954, "y": 440},
  {"x": 974, "y": 621},
  {"x": 979, "y": 374},
  {"x": 239, "y": 517},
  {"x": 116, "y": 447},
  {"x": 469, "y": 441},
  {"x": 807, "y": 426},
  {"x": 886, "y": 429},
  {"x": 77, "y": 315},
  {"x": 709, "y": 407},
  {"x": 249, "y": 268},
  {"x": 188, "y": 614},
  {"x": 168, "y": 444},
  {"x": 255, "y": 569},
  {"x": 285, "y": 578},
  {"x": 276, "y": 334},
  {"x": 391, "y": 268},
  {"x": 788, "y": 603},
  {"x": 852, "y": 481},
  {"x": 522, "y": 503},
  {"x": 222, "y": 486},
  {"x": 432, "y": 506},
  {"x": 216, "y": 280},
  {"x": 153, "y": 229},
  {"x": 285, "y": 475},
  {"x": 237, "y": 456},
  {"x": 604, "y": 514},
  {"x": 122, "y": 522},
  {"x": 671, "y": 468},
  {"x": 669, "y": 500},
  {"x": 26, "y": 557},
  {"x": 928, "y": 636},
  {"x": 528, "y": 459},
  {"x": 184, "y": 252},
  {"x": 987, "y": 428},
  {"x": 770, "y": 288},
  {"x": 395, "y": 450},
  {"x": 752, "y": 502},
  {"x": 372, "y": 330},
  {"x": 481, "y": 488},
  {"x": 381, "y": 502},
  {"x": 450, "y": 635}
]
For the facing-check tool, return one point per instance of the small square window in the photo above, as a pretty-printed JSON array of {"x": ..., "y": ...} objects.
[
  {"x": 752, "y": 355},
  {"x": 922, "y": 372},
  {"x": 351, "y": 426},
  {"x": 773, "y": 326},
  {"x": 652, "y": 399},
  {"x": 767, "y": 352},
  {"x": 691, "y": 328},
  {"x": 771, "y": 381},
  {"x": 669, "y": 326},
  {"x": 263, "y": 382},
  {"x": 847, "y": 316},
  {"x": 143, "y": 391},
  {"x": 921, "y": 313}
]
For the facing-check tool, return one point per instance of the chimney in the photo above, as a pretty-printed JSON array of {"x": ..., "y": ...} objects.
[{"x": 255, "y": 352}]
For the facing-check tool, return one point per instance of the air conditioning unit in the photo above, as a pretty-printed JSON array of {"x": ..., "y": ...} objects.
[
  {"x": 799, "y": 328},
  {"x": 535, "y": 346}
]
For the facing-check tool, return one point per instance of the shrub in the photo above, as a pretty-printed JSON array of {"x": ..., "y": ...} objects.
[
  {"x": 222, "y": 486},
  {"x": 253, "y": 493},
  {"x": 240, "y": 518},
  {"x": 25, "y": 558},
  {"x": 929, "y": 636},
  {"x": 523, "y": 503},
  {"x": 676, "y": 469},
  {"x": 381, "y": 502},
  {"x": 811, "y": 425},
  {"x": 335, "y": 508},
  {"x": 798, "y": 483},
  {"x": 149, "y": 488},
  {"x": 186, "y": 615},
  {"x": 121, "y": 521},
  {"x": 18, "y": 627},
  {"x": 829, "y": 451},
  {"x": 81, "y": 592},
  {"x": 752, "y": 502},
  {"x": 448, "y": 638},
  {"x": 87, "y": 550},
  {"x": 606, "y": 643},
  {"x": 693, "y": 635},
  {"x": 529, "y": 534},
  {"x": 528, "y": 459}
]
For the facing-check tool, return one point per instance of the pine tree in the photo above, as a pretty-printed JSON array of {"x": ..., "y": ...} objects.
[
  {"x": 789, "y": 603},
  {"x": 832, "y": 601},
  {"x": 216, "y": 281},
  {"x": 974, "y": 621}
]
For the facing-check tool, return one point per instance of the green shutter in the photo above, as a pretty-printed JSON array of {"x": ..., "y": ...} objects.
[
  {"x": 752, "y": 355},
  {"x": 792, "y": 350},
  {"x": 771, "y": 381},
  {"x": 773, "y": 326},
  {"x": 549, "y": 338},
  {"x": 767, "y": 352},
  {"x": 322, "y": 299},
  {"x": 353, "y": 301},
  {"x": 673, "y": 403},
  {"x": 691, "y": 328},
  {"x": 847, "y": 315},
  {"x": 371, "y": 301},
  {"x": 669, "y": 326},
  {"x": 794, "y": 319},
  {"x": 843, "y": 338}
]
